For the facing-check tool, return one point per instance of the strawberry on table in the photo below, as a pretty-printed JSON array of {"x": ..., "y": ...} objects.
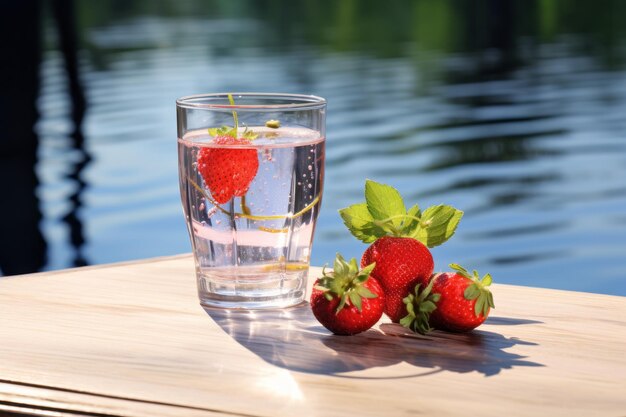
[
  {"x": 462, "y": 301},
  {"x": 465, "y": 300},
  {"x": 347, "y": 301},
  {"x": 399, "y": 239}
]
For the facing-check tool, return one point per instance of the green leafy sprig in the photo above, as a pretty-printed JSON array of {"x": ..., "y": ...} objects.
[
  {"x": 346, "y": 282},
  {"x": 384, "y": 214},
  {"x": 232, "y": 130}
]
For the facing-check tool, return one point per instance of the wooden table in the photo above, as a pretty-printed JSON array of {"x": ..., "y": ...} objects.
[{"x": 130, "y": 339}]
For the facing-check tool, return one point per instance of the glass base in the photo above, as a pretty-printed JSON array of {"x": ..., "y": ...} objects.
[{"x": 261, "y": 292}]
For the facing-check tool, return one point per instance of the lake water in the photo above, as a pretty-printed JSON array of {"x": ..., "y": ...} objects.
[{"x": 519, "y": 119}]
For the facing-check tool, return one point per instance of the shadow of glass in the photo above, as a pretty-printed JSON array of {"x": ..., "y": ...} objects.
[{"x": 294, "y": 340}]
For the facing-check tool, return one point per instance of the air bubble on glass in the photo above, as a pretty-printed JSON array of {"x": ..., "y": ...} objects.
[{"x": 212, "y": 211}]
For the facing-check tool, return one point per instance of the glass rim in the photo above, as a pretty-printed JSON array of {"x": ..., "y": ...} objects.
[{"x": 301, "y": 101}]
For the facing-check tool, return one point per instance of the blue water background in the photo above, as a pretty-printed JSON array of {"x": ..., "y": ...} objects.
[{"x": 526, "y": 134}]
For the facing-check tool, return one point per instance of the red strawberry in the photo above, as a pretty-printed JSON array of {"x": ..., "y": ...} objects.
[
  {"x": 228, "y": 172},
  {"x": 401, "y": 264},
  {"x": 463, "y": 301},
  {"x": 347, "y": 301}
]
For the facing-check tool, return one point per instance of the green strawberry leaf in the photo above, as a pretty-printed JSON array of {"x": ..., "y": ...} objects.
[
  {"x": 250, "y": 135},
  {"x": 427, "y": 307},
  {"x": 360, "y": 222},
  {"x": 384, "y": 201},
  {"x": 222, "y": 131},
  {"x": 479, "y": 307},
  {"x": 419, "y": 305},
  {"x": 353, "y": 266},
  {"x": 339, "y": 267},
  {"x": 471, "y": 292},
  {"x": 461, "y": 270},
  {"x": 355, "y": 300},
  {"x": 342, "y": 303},
  {"x": 407, "y": 320},
  {"x": 486, "y": 281},
  {"x": 411, "y": 222},
  {"x": 368, "y": 269},
  {"x": 365, "y": 292},
  {"x": 437, "y": 225},
  {"x": 490, "y": 300}
]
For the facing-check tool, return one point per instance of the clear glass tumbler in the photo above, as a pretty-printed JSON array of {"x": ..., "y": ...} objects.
[{"x": 251, "y": 170}]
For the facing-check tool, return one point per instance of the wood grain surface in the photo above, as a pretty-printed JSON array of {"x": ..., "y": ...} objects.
[{"x": 131, "y": 339}]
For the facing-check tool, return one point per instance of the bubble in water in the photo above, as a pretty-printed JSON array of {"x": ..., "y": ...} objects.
[{"x": 212, "y": 211}]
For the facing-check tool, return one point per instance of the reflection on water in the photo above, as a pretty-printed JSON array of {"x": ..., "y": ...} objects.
[{"x": 512, "y": 111}]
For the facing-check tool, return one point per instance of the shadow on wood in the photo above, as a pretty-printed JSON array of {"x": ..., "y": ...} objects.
[
  {"x": 510, "y": 321},
  {"x": 294, "y": 340}
]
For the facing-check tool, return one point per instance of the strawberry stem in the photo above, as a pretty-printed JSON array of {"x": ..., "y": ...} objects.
[
  {"x": 252, "y": 216},
  {"x": 231, "y": 100},
  {"x": 387, "y": 224},
  {"x": 244, "y": 207}
]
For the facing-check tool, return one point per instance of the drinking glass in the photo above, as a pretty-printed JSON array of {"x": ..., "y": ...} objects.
[{"x": 251, "y": 170}]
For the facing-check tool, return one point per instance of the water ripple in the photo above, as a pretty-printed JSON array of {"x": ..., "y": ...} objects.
[{"x": 530, "y": 154}]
